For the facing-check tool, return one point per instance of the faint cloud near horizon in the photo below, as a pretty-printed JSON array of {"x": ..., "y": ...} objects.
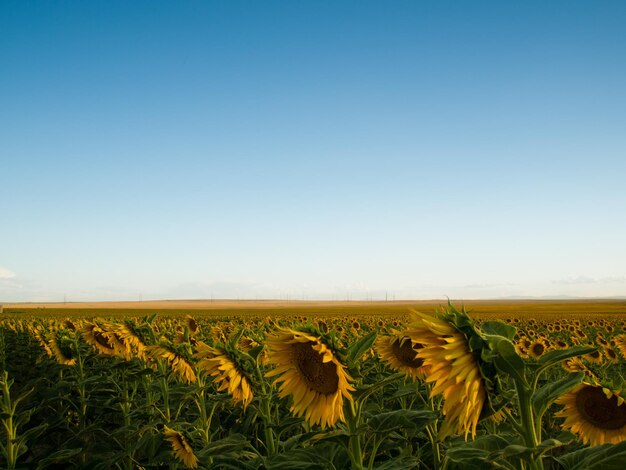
[{"x": 6, "y": 273}]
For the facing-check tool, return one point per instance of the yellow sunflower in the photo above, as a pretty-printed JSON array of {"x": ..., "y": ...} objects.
[
  {"x": 62, "y": 352},
  {"x": 401, "y": 354},
  {"x": 217, "y": 363},
  {"x": 454, "y": 371},
  {"x": 181, "y": 449},
  {"x": 310, "y": 372},
  {"x": 596, "y": 414},
  {"x": 537, "y": 349},
  {"x": 105, "y": 342},
  {"x": 179, "y": 365},
  {"x": 620, "y": 342}
]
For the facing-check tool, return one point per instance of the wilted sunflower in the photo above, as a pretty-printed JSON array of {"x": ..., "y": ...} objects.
[
  {"x": 218, "y": 363},
  {"x": 311, "y": 373},
  {"x": 181, "y": 449},
  {"x": 400, "y": 352},
  {"x": 596, "y": 414},
  {"x": 454, "y": 371}
]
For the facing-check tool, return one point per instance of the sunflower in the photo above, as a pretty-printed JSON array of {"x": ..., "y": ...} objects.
[
  {"x": 311, "y": 373},
  {"x": 596, "y": 357},
  {"x": 596, "y": 414},
  {"x": 574, "y": 364},
  {"x": 537, "y": 349},
  {"x": 192, "y": 324},
  {"x": 400, "y": 353},
  {"x": 218, "y": 363},
  {"x": 620, "y": 342},
  {"x": 181, "y": 368},
  {"x": 181, "y": 449},
  {"x": 107, "y": 343},
  {"x": 62, "y": 353},
  {"x": 454, "y": 371},
  {"x": 130, "y": 335}
]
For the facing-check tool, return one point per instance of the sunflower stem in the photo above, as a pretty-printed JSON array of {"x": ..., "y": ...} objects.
[
  {"x": 355, "y": 452},
  {"x": 524, "y": 395}
]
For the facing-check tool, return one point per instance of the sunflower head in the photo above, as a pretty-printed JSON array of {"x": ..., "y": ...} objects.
[
  {"x": 452, "y": 349},
  {"x": 228, "y": 368},
  {"x": 175, "y": 357},
  {"x": 400, "y": 353},
  {"x": 597, "y": 414},
  {"x": 309, "y": 370},
  {"x": 63, "y": 348},
  {"x": 180, "y": 447}
]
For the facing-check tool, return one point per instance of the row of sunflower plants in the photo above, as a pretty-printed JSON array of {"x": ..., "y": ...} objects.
[{"x": 442, "y": 392}]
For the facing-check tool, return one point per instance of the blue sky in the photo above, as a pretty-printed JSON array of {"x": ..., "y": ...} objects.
[{"x": 312, "y": 149}]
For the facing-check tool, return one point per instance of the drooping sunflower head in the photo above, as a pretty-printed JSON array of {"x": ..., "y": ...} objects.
[
  {"x": 180, "y": 447},
  {"x": 311, "y": 372},
  {"x": 595, "y": 413},
  {"x": 221, "y": 363},
  {"x": 175, "y": 359},
  {"x": 63, "y": 348},
  {"x": 400, "y": 353},
  {"x": 455, "y": 370},
  {"x": 192, "y": 324}
]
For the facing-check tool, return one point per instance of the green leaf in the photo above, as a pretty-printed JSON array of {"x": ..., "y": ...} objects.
[
  {"x": 301, "y": 459},
  {"x": 60, "y": 456},
  {"x": 498, "y": 328},
  {"x": 544, "y": 397},
  {"x": 233, "y": 444},
  {"x": 554, "y": 357},
  {"x": 517, "y": 450},
  {"x": 604, "y": 457},
  {"x": 403, "y": 461},
  {"x": 356, "y": 351},
  {"x": 508, "y": 361},
  {"x": 390, "y": 421}
]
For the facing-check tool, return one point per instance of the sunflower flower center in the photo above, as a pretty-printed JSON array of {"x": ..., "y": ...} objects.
[
  {"x": 318, "y": 375},
  {"x": 406, "y": 354},
  {"x": 602, "y": 412},
  {"x": 538, "y": 349}
]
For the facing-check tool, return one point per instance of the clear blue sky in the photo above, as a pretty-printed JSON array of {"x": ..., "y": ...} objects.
[{"x": 312, "y": 149}]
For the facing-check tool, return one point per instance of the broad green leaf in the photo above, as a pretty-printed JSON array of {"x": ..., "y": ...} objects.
[
  {"x": 390, "y": 421},
  {"x": 498, "y": 328},
  {"x": 554, "y": 357},
  {"x": 58, "y": 457},
  {"x": 604, "y": 457},
  {"x": 403, "y": 462},
  {"x": 356, "y": 351},
  {"x": 543, "y": 397},
  {"x": 508, "y": 361}
]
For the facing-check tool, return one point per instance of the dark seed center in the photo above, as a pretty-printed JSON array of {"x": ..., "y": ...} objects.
[
  {"x": 407, "y": 352},
  {"x": 319, "y": 376},
  {"x": 602, "y": 412}
]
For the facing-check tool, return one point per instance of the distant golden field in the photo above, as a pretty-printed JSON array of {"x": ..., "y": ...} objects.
[{"x": 235, "y": 308}]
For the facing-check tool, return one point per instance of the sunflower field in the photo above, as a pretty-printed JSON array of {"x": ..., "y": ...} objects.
[{"x": 444, "y": 391}]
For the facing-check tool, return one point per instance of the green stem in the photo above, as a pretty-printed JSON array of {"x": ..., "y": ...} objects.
[
  {"x": 432, "y": 437},
  {"x": 528, "y": 423},
  {"x": 355, "y": 452}
]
